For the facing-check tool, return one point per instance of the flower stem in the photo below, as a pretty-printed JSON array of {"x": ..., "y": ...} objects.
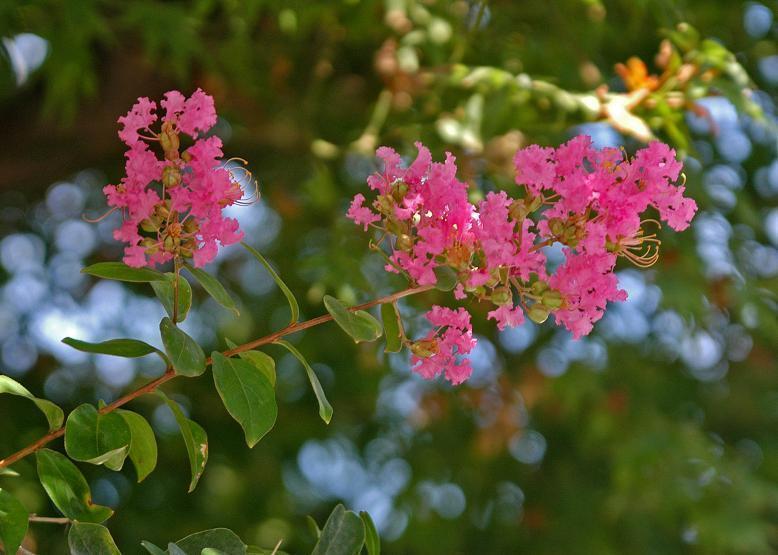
[{"x": 170, "y": 372}]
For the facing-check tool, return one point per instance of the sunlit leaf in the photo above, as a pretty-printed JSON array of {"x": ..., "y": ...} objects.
[
  {"x": 343, "y": 534},
  {"x": 143, "y": 445},
  {"x": 293, "y": 306},
  {"x": 67, "y": 488},
  {"x": 215, "y": 289},
  {"x": 360, "y": 325},
  {"x": 164, "y": 290},
  {"x": 195, "y": 440},
  {"x": 247, "y": 395},
  {"x": 86, "y": 538},
  {"x": 185, "y": 354},
  {"x": 221, "y": 539},
  {"x": 97, "y": 438},
  {"x": 325, "y": 409},
  {"x": 52, "y": 412},
  {"x": 122, "y": 272},
  {"x": 13, "y": 522}
]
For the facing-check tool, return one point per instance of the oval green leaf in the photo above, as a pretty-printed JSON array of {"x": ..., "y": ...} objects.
[
  {"x": 13, "y": 522},
  {"x": 67, "y": 488},
  {"x": 52, "y": 412},
  {"x": 97, "y": 438},
  {"x": 195, "y": 440},
  {"x": 294, "y": 308},
  {"x": 122, "y": 272},
  {"x": 325, "y": 409},
  {"x": 263, "y": 362},
  {"x": 86, "y": 538},
  {"x": 151, "y": 548},
  {"x": 360, "y": 325},
  {"x": 220, "y": 539},
  {"x": 127, "y": 348},
  {"x": 186, "y": 356},
  {"x": 390, "y": 317},
  {"x": 215, "y": 289},
  {"x": 164, "y": 291},
  {"x": 247, "y": 395},
  {"x": 143, "y": 445},
  {"x": 446, "y": 278},
  {"x": 343, "y": 534}
]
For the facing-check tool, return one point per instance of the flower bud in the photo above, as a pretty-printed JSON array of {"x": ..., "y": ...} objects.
[
  {"x": 538, "y": 287},
  {"x": 404, "y": 242},
  {"x": 149, "y": 226},
  {"x": 190, "y": 225},
  {"x": 518, "y": 210},
  {"x": 168, "y": 243},
  {"x": 502, "y": 295},
  {"x": 538, "y": 313},
  {"x": 556, "y": 226},
  {"x": 171, "y": 177},
  {"x": 534, "y": 203},
  {"x": 425, "y": 348},
  {"x": 552, "y": 298}
]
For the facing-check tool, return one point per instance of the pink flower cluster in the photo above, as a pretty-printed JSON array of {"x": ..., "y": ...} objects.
[
  {"x": 172, "y": 207},
  {"x": 590, "y": 201}
]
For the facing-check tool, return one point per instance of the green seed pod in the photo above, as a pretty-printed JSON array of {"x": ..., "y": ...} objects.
[
  {"x": 502, "y": 295},
  {"x": 538, "y": 287},
  {"x": 535, "y": 203},
  {"x": 171, "y": 177},
  {"x": 556, "y": 226},
  {"x": 538, "y": 313},
  {"x": 168, "y": 243},
  {"x": 148, "y": 226},
  {"x": 552, "y": 298},
  {"x": 518, "y": 210}
]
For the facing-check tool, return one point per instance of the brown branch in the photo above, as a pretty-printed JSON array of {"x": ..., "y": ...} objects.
[
  {"x": 170, "y": 372},
  {"x": 49, "y": 519}
]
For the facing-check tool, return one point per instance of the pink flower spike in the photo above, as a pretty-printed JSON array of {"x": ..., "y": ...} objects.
[{"x": 199, "y": 114}]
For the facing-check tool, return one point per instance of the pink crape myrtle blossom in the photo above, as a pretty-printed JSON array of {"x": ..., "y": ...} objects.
[
  {"x": 172, "y": 207},
  {"x": 591, "y": 201},
  {"x": 440, "y": 352}
]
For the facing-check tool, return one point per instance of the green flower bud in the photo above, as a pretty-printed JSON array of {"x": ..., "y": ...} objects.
[
  {"x": 552, "y": 298},
  {"x": 556, "y": 226},
  {"x": 538, "y": 287},
  {"x": 502, "y": 295},
  {"x": 404, "y": 242},
  {"x": 538, "y": 313}
]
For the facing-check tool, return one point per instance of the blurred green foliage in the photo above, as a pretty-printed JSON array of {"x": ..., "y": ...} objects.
[{"x": 641, "y": 454}]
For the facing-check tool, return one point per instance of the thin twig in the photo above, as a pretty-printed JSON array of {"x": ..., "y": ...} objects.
[
  {"x": 170, "y": 372},
  {"x": 49, "y": 519}
]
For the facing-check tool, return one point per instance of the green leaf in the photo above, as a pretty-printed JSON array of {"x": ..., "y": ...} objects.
[
  {"x": 8, "y": 472},
  {"x": 372, "y": 541},
  {"x": 185, "y": 354},
  {"x": 325, "y": 409},
  {"x": 446, "y": 278},
  {"x": 13, "y": 522},
  {"x": 195, "y": 439},
  {"x": 91, "y": 539},
  {"x": 263, "y": 362},
  {"x": 360, "y": 325},
  {"x": 52, "y": 412},
  {"x": 164, "y": 291},
  {"x": 215, "y": 289},
  {"x": 313, "y": 526},
  {"x": 151, "y": 548},
  {"x": 392, "y": 327},
  {"x": 343, "y": 534},
  {"x": 127, "y": 348},
  {"x": 67, "y": 488},
  {"x": 143, "y": 445},
  {"x": 221, "y": 539},
  {"x": 293, "y": 306},
  {"x": 247, "y": 395},
  {"x": 97, "y": 438},
  {"x": 122, "y": 272},
  {"x": 173, "y": 549}
]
